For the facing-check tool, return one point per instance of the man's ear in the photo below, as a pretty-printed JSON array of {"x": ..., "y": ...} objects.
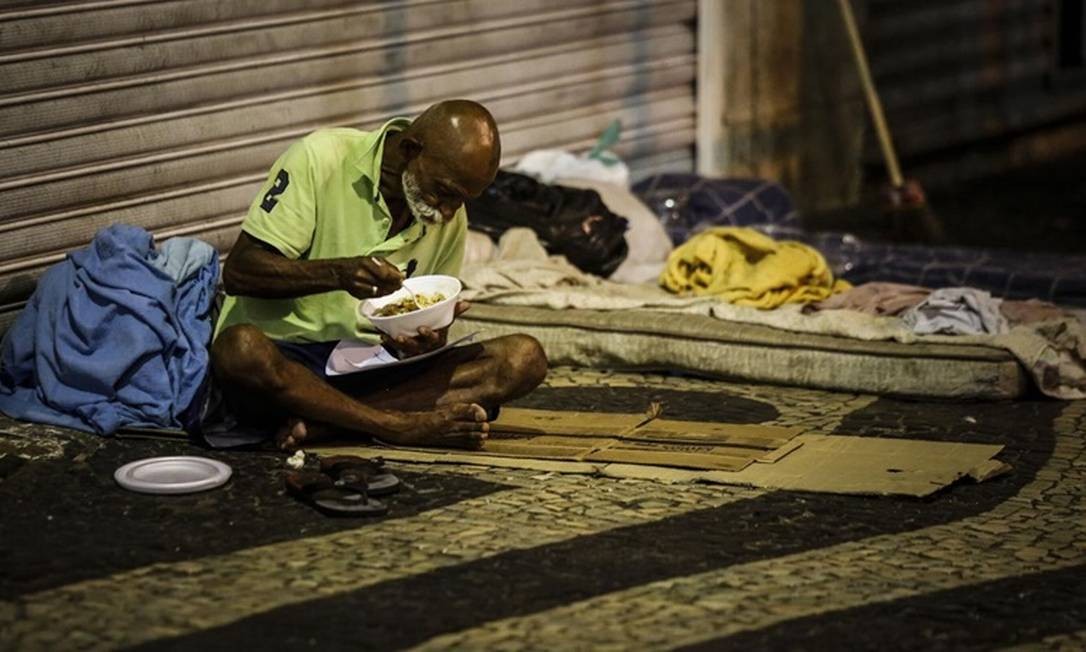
[{"x": 410, "y": 147}]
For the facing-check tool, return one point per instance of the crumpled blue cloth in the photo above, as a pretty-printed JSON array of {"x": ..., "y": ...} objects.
[
  {"x": 110, "y": 339},
  {"x": 180, "y": 258},
  {"x": 957, "y": 311}
]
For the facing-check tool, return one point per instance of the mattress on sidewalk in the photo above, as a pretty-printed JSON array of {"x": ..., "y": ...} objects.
[{"x": 696, "y": 344}]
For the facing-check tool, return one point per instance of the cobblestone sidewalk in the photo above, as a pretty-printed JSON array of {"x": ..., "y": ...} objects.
[{"x": 481, "y": 558}]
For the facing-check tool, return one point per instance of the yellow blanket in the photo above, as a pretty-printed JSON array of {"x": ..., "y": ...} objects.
[{"x": 745, "y": 267}]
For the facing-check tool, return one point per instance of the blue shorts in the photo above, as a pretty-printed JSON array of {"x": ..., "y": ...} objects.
[{"x": 311, "y": 355}]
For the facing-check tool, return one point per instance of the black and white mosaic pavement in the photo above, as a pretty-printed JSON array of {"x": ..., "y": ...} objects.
[{"x": 483, "y": 558}]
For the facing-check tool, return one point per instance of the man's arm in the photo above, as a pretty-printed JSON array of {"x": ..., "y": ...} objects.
[
  {"x": 267, "y": 259},
  {"x": 256, "y": 269}
]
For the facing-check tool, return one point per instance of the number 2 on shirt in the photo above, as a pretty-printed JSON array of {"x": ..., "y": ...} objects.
[{"x": 282, "y": 180}]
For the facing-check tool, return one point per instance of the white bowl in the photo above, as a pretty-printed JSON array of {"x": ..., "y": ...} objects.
[{"x": 437, "y": 316}]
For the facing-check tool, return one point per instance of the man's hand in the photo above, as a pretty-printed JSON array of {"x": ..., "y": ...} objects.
[
  {"x": 365, "y": 277},
  {"x": 427, "y": 340}
]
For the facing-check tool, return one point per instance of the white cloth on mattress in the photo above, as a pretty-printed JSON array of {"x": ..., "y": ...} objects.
[{"x": 1053, "y": 352}]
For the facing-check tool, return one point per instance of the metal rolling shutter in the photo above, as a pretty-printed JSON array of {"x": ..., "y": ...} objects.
[
  {"x": 167, "y": 114},
  {"x": 957, "y": 74}
]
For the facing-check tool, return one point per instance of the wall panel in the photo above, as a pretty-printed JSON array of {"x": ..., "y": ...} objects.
[
  {"x": 167, "y": 114},
  {"x": 964, "y": 82}
]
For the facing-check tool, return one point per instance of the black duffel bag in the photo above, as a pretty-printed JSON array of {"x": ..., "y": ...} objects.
[{"x": 572, "y": 222}]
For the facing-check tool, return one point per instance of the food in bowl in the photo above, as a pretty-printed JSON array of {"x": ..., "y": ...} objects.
[
  {"x": 407, "y": 304},
  {"x": 435, "y": 316}
]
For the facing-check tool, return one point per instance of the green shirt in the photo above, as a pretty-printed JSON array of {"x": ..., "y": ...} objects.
[{"x": 322, "y": 200}]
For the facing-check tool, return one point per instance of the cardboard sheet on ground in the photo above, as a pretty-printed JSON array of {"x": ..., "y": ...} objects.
[
  {"x": 632, "y": 439},
  {"x": 772, "y": 457}
]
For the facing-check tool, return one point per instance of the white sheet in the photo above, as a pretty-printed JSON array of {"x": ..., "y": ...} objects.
[{"x": 1053, "y": 352}]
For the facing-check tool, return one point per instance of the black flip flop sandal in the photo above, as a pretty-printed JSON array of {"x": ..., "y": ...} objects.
[
  {"x": 354, "y": 472},
  {"x": 321, "y": 493}
]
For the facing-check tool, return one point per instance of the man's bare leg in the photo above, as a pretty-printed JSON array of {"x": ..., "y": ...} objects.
[
  {"x": 440, "y": 406},
  {"x": 488, "y": 374},
  {"x": 249, "y": 364}
]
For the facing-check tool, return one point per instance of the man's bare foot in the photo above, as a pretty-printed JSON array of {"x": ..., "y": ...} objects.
[
  {"x": 458, "y": 425},
  {"x": 292, "y": 435}
]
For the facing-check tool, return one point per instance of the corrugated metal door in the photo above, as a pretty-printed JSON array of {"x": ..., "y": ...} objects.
[
  {"x": 167, "y": 114},
  {"x": 969, "y": 84}
]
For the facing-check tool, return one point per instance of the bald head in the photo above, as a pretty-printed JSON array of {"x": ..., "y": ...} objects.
[
  {"x": 462, "y": 136},
  {"x": 450, "y": 153}
]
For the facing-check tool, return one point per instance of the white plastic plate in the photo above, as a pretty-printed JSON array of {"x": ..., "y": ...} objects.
[{"x": 182, "y": 474}]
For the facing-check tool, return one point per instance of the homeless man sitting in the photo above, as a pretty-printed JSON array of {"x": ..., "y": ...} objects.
[{"x": 342, "y": 210}]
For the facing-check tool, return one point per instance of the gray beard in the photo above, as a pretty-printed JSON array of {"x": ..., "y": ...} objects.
[{"x": 413, "y": 196}]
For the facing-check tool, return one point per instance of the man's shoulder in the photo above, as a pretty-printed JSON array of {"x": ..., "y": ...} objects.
[
  {"x": 332, "y": 144},
  {"x": 335, "y": 136},
  {"x": 327, "y": 150}
]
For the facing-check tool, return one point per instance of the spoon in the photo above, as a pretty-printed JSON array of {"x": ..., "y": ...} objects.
[{"x": 408, "y": 271}]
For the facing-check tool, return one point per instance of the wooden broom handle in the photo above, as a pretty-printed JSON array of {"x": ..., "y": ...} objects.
[{"x": 874, "y": 105}]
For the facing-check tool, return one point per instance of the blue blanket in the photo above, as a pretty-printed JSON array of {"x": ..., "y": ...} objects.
[
  {"x": 115, "y": 335},
  {"x": 687, "y": 203}
]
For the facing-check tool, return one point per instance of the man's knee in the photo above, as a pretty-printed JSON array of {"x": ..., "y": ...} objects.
[
  {"x": 524, "y": 362},
  {"x": 244, "y": 355}
]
